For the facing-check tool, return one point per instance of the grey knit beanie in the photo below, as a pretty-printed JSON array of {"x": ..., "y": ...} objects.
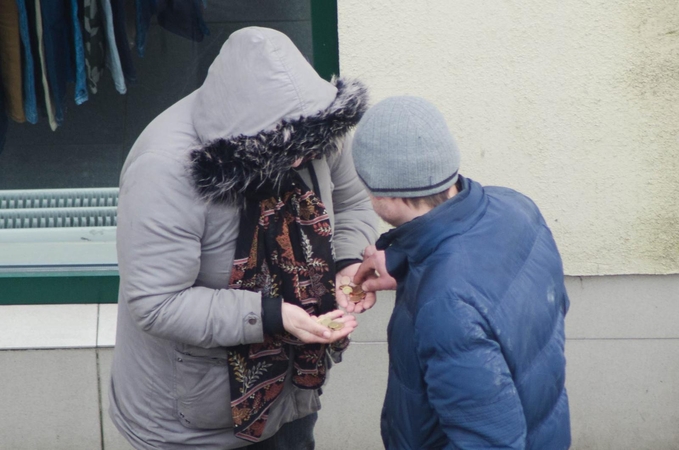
[{"x": 402, "y": 148}]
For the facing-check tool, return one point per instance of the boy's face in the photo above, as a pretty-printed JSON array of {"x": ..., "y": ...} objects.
[{"x": 389, "y": 209}]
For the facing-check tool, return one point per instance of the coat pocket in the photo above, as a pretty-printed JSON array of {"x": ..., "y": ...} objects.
[{"x": 203, "y": 396}]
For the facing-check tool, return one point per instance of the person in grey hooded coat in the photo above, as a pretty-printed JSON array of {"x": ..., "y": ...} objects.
[{"x": 207, "y": 354}]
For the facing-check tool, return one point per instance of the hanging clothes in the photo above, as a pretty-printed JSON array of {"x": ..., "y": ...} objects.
[
  {"x": 4, "y": 122},
  {"x": 30, "y": 103},
  {"x": 145, "y": 10},
  {"x": 184, "y": 18},
  {"x": 49, "y": 107},
  {"x": 112, "y": 56},
  {"x": 41, "y": 95},
  {"x": 120, "y": 31},
  {"x": 94, "y": 28},
  {"x": 81, "y": 95},
  {"x": 10, "y": 60},
  {"x": 58, "y": 52}
]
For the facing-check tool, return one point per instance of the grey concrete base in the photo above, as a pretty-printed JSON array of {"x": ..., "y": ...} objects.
[
  {"x": 622, "y": 378},
  {"x": 624, "y": 394},
  {"x": 352, "y": 400},
  {"x": 113, "y": 440},
  {"x": 623, "y": 365},
  {"x": 49, "y": 400}
]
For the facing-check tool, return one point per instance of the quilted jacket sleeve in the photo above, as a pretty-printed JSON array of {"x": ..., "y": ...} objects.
[
  {"x": 468, "y": 382},
  {"x": 160, "y": 226},
  {"x": 355, "y": 220}
]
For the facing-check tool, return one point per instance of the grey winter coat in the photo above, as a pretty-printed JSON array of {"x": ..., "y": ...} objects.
[{"x": 177, "y": 229}]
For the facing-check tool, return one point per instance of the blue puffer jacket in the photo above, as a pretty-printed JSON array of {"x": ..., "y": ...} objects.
[{"x": 476, "y": 339}]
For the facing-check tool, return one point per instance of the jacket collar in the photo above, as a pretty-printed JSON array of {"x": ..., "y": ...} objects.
[
  {"x": 415, "y": 240},
  {"x": 261, "y": 107}
]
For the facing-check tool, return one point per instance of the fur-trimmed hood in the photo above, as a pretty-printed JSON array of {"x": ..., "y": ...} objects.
[{"x": 261, "y": 108}]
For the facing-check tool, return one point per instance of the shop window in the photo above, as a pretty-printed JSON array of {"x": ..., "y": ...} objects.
[
  {"x": 88, "y": 150},
  {"x": 83, "y": 157}
]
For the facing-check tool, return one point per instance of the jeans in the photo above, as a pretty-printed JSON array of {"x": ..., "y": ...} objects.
[
  {"x": 94, "y": 29},
  {"x": 30, "y": 101},
  {"x": 112, "y": 56},
  {"x": 295, "y": 435},
  {"x": 56, "y": 28},
  {"x": 145, "y": 10},
  {"x": 3, "y": 119},
  {"x": 120, "y": 33},
  {"x": 81, "y": 95}
]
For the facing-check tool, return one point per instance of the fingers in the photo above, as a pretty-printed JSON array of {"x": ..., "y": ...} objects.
[
  {"x": 366, "y": 267},
  {"x": 369, "y": 301},
  {"x": 334, "y": 314},
  {"x": 348, "y": 274},
  {"x": 307, "y": 329},
  {"x": 365, "y": 304},
  {"x": 311, "y": 326},
  {"x": 365, "y": 270},
  {"x": 379, "y": 284},
  {"x": 300, "y": 324},
  {"x": 369, "y": 251},
  {"x": 350, "y": 325},
  {"x": 348, "y": 322},
  {"x": 342, "y": 299}
]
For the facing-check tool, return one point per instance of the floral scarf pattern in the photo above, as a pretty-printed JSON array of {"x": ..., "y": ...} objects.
[{"x": 284, "y": 249}]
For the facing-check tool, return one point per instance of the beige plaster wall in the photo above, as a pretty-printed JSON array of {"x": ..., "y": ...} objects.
[{"x": 575, "y": 104}]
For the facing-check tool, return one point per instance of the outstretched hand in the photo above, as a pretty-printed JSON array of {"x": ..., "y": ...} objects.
[
  {"x": 344, "y": 300},
  {"x": 372, "y": 274},
  {"x": 307, "y": 329}
]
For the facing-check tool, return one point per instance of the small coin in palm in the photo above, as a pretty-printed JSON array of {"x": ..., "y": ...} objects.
[
  {"x": 332, "y": 324},
  {"x": 355, "y": 293}
]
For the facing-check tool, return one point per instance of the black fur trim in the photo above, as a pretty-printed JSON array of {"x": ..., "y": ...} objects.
[{"x": 223, "y": 170}]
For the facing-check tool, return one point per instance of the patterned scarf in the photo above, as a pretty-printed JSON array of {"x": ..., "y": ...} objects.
[{"x": 283, "y": 250}]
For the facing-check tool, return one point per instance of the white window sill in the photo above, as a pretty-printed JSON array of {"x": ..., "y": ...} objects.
[
  {"x": 32, "y": 327},
  {"x": 58, "y": 249}
]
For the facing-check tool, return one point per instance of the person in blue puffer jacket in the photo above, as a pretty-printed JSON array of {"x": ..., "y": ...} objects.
[{"x": 476, "y": 337}]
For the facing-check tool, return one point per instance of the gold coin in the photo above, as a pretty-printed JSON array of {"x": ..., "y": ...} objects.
[
  {"x": 356, "y": 298},
  {"x": 357, "y": 290},
  {"x": 335, "y": 325},
  {"x": 345, "y": 280},
  {"x": 328, "y": 322},
  {"x": 347, "y": 289}
]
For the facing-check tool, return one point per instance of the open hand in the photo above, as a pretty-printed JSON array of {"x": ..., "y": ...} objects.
[
  {"x": 344, "y": 300},
  {"x": 307, "y": 329}
]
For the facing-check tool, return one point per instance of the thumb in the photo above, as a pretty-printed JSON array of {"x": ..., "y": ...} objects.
[
  {"x": 318, "y": 329},
  {"x": 377, "y": 284},
  {"x": 369, "y": 251},
  {"x": 366, "y": 269}
]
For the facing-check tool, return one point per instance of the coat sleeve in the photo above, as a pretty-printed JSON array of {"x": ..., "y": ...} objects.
[
  {"x": 160, "y": 226},
  {"x": 468, "y": 382},
  {"x": 355, "y": 221}
]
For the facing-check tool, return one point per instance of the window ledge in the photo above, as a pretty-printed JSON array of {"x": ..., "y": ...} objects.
[
  {"x": 33, "y": 327},
  {"x": 58, "y": 249}
]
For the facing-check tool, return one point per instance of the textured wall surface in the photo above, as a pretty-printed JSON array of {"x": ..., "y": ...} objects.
[
  {"x": 575, "y": 104},
  {"x": 621, "y": 347}
]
